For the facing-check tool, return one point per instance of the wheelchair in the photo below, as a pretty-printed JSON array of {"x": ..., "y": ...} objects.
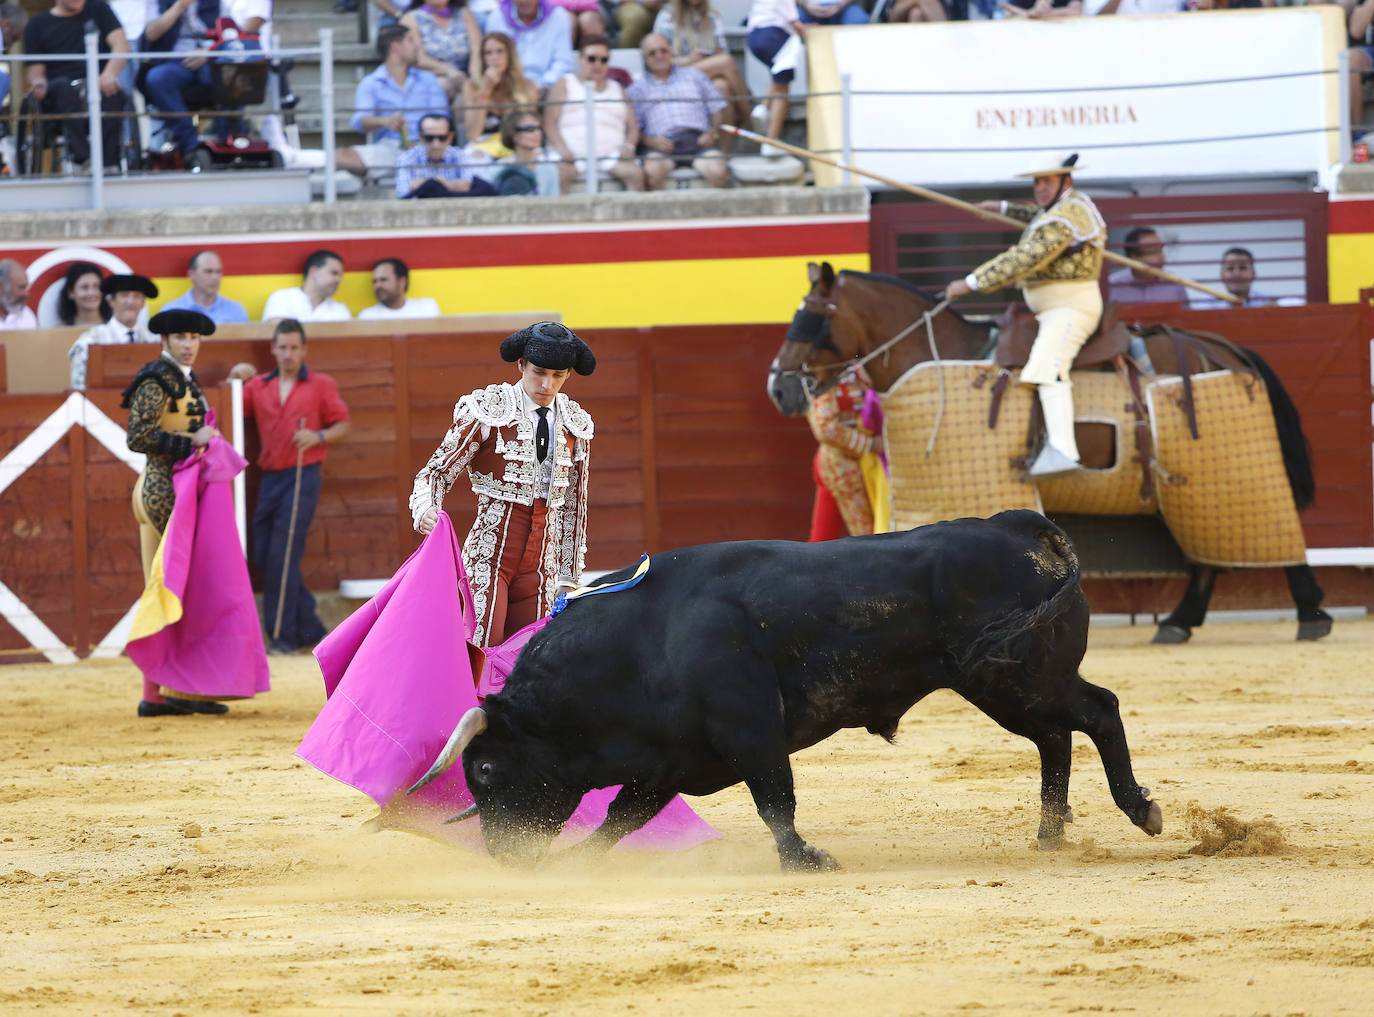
[{"x": 41, "y": 145}]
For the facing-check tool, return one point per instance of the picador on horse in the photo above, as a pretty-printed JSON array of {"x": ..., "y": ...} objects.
[{"x": 1154, "y": 420}]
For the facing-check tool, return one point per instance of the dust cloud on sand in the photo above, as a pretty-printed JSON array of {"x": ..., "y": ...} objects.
[{"x": 194, "y": 866}]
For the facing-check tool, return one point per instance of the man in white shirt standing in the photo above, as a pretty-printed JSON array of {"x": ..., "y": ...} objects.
[
  {"x": 14, "y": 295},
  {"x": 127, "y": 296},
  {"x": 391, "y": 286},
  {"x": 313, "y": 299}
]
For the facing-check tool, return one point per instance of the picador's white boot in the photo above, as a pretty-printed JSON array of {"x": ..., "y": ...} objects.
[{"x": 1060, "y": 454}]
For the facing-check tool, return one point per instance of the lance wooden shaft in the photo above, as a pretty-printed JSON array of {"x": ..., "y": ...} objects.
[{"x": 982, "y": 213}]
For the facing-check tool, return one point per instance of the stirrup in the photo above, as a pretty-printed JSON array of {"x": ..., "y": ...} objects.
[{"x": 1051, "y": 463}]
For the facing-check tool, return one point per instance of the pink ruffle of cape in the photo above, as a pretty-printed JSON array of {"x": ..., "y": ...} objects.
[
  {"x": 215, "y": 651},
  {"x": 398, "y": 677}
]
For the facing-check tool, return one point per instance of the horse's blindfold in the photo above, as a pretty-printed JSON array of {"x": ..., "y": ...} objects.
[{"x": 812, "y": 328}]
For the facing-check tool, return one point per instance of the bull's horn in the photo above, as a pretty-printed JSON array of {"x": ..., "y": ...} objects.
[
  {"x": 467, "y": 813},
  {"x": 474, "y": 722}
]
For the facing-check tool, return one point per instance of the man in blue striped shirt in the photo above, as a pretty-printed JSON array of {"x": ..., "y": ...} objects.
[
  {"x": 679, "y": 111},
  {"x": 435, "y": 168}
]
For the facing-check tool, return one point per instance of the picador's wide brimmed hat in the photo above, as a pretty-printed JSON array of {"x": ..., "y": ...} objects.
[
  {"x": 128, "y": 284},
  {"x": 550, "y": 345},
  {"x": 1052, "y": 164},
  {"x": 177, "y": 320}
]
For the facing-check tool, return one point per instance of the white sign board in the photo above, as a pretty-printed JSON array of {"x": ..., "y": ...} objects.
[{"x": 1197, "y": 94}]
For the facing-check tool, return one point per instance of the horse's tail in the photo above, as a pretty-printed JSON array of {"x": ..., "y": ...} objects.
[{"x": 1297, "y": 452}]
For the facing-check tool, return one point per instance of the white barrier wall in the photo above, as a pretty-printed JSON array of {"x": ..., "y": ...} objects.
[{"x": 1185, "y": 95}]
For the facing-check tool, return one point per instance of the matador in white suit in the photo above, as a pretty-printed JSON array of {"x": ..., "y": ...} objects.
[
  {"x": 526, "y": 450},
  {"x": 1057, "y": 263}
]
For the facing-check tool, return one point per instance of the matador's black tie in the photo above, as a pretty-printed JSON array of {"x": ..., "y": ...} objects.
[{"x": 541, "y": 434}]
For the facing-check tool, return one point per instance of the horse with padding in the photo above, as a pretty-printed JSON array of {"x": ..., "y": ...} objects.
[{"x": 1180, "y": 424}]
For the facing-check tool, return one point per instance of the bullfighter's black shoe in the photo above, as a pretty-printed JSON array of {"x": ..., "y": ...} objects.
[
  {"x": 198, "y": 705},
  {"x": 167, "y": 709}
]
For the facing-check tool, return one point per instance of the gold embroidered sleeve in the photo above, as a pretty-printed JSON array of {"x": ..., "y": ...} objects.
[
  {"x": 829, "y": 426},
  {"x": 449, "y": 460},
  {"x": 1022, "y": 210},
  {"x": 145, "y": 415},
  {"x": 1034, "y": 251}
]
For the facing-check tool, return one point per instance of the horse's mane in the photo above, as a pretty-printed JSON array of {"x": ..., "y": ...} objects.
[{"x": 926, "y": 295}]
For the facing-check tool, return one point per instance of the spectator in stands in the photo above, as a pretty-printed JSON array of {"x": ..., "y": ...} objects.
[
  {"x": 587, "y": 18},
  {"x": 498, "y": 88},
  {"x": 436, "y": 168},
  {"x": 1238, "y": 276},
  {"x": 542, "y": 34},
  {"x": 697, "y": 35},
  {"x": 530, "y": 168},
  {"x": 1360, "y": 13},
  {"x": 313, "y": 299},
  {"x": 206, "y": 273},
  {"x": 14, "y": 295},
  {"x": 1132, "y": 286},
  {"x": 13, "y": 18},
  {"x": 1038, "y": 9},
  {"x": 679, "y": 113},
  {"x": 389, "y": 102},
  {"x": 80, "y": 302},
  {"x": 54, "y": 84},
  {"x": 126, "y": 295},
  {"x": 615, "y": 129},
  {"x": 773, "y": 25},
  {"x": 391, "y": 287},
  {"x": 836, "y": 12},
  {"x": 920, "y": 10},
  {"x": 636, "y": 20},
  {"x": 181, "y": 27},
  {"x": 449, "y": 39}
]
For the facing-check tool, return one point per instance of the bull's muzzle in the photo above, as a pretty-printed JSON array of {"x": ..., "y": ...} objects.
[{"x": 473, "y": 723}]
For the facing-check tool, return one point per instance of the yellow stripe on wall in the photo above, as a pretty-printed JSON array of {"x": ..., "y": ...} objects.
[
  {"x": 607, "y": 295},
  {"x": 1348, "y": 257}
]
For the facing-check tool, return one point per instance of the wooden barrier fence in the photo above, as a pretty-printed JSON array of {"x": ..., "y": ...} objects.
[{"x": 688, "y": 450}]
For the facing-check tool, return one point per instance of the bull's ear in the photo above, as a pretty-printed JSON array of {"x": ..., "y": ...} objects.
[
  {"x": 827, "y": 275},
  {"x": 813, "y": 271}
]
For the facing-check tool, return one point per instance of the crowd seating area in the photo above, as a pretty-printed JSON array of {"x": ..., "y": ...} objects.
[{"x": 284, "y": 106}]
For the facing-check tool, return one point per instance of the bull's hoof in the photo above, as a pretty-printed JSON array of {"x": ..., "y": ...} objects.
[
  {"x": 1172, "y": 635},
  {"x": 811, "y": 859},
  {"x": 1154, "y": 821},
  {"x": 1314, "y": 628}
]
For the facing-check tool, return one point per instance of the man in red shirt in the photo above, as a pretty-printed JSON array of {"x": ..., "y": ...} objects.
[{"x": 298, "y": 413}]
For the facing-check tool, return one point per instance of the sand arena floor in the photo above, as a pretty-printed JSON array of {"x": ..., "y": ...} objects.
[{"x": 194, "y": 866}]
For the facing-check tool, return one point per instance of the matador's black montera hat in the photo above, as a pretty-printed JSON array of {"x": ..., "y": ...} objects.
[
  {"x": 176, "y": 320},
  {"x": 112, "y": 284},
  {"x": 550, "y": 345}
]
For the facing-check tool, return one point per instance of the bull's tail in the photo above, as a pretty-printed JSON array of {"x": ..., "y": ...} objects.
[
  {"x": 1297, "y": 453},
  {"x": 1008, "y": 640}
]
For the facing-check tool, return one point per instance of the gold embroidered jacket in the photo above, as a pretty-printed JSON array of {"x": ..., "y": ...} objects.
[
  {"x": 165, "y": 408},
  {"x": 1062, "y": 243},
  {"x": 492, "y": 439}
]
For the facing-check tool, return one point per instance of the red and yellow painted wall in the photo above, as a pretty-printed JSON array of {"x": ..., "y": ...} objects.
[
  {"x": 612, "y": 275},
  {"x": 1350, "y": 246}
]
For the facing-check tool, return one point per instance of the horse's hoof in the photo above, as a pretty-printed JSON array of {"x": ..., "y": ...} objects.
[
  {"x": 1314, "y": 629},
  {"x": 1172, "y": 635},
  {"x": 812, "y": 859},
  {"x": 1049, "y": 841},
  {"x": 1154, "y": 821}
]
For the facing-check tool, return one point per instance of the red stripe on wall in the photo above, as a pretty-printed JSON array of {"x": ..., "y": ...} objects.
[
  {"x": 265, "y": 256},
  {"x": 1355, "y": 216}
]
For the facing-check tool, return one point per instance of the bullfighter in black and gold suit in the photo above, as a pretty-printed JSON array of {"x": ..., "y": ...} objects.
[
  {"x": 1057, "y": 263},
  {"x": 166, "y": 423}
]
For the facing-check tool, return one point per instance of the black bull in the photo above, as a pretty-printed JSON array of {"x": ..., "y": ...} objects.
[{"x": 729, "y": 657}]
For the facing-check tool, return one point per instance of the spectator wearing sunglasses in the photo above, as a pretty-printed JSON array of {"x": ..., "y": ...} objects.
[
  {"x": 679, "y": 111},
  {"x": 530, "y": 169},
  {"x": 435, "y": 168},
  {"x": 614, "y": 130}
]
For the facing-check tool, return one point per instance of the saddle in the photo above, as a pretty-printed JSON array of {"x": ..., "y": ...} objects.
[{"x": 1017, "y": 329}]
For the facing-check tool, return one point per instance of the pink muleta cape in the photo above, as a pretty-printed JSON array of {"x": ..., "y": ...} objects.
[
  {"x": 398, "y": 677},
  {"x": 196, "y": 629}
]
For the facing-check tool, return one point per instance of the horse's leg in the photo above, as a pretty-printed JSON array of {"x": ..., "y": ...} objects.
[
  {"x": 1192, "y": 609},
  {"x": 1313, "y": 622}
]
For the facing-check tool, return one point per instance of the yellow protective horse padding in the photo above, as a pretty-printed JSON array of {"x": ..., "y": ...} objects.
[
  {"x": 1225, "y": 496},
  {"x": 969, "y": 471},
  {"x": 1102, "y": 397}
]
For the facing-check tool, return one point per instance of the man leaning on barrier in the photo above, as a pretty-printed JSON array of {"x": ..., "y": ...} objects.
[{"x": 57, "y": 86}]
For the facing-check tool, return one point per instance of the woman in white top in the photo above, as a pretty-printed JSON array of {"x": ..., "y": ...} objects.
[
  {"x": 615, "y": 129},
  {"x": 697, "y": 35}
]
